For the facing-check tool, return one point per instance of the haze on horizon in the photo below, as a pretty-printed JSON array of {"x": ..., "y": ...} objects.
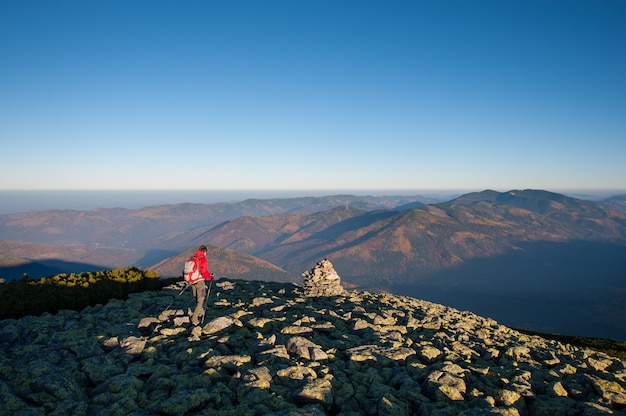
[
  {"x": 19, "y": 201},
  {"x": 283, "y": 95}
]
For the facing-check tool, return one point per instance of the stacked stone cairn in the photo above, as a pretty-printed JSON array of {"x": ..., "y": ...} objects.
[
  {"x": 322, "y": 280},
  {"x": 267, "y": 349}
]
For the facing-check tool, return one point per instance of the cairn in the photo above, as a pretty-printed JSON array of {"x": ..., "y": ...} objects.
[{"x": 322, "y": 280}]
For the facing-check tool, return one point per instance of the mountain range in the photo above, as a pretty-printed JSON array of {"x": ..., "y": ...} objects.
[{"x": 489, "y": 251}]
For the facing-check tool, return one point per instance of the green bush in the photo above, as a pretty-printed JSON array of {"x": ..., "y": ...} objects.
[{"x": 74, "y": 291}]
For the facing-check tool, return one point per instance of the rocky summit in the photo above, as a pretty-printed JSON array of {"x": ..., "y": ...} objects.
[{"x": 264, "y": 348}]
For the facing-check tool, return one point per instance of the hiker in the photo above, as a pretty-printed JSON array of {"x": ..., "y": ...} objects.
[{"x": 199, "y": 287}]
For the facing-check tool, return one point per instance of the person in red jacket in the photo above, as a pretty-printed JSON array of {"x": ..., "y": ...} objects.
[{"x": 199, "y": 288}]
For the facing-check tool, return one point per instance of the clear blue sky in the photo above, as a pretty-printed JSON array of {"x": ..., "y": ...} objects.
[{"x": 346, "y": 95}]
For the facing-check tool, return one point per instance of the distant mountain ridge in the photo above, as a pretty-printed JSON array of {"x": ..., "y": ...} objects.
[
  {"x": 538, "y": 201},
  {"x": 371, "y": 242},
  {"x": 119, "y": 227},
  {"x": 117, "y": 237},
  {"x": 615, "y": 203},
  {"x": 400, "y": 245},
  {"x": 38, "y": 260},
  {"x": 35, "y": 261}
]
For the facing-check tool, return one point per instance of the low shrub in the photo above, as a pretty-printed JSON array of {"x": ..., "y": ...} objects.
[{"x": 74, "y": 291}]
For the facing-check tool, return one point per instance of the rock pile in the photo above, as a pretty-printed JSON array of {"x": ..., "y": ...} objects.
[
  {"x": 322, "y": 280},
  {"x": 266, "y": 349}
]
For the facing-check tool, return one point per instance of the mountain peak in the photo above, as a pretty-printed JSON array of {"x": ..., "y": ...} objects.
[
  {"x": 266, "y": 348},
  {"x": 538, "y": 201}
]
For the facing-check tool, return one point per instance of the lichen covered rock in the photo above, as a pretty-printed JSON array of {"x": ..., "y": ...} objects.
[{"x": 267, "y": 348}]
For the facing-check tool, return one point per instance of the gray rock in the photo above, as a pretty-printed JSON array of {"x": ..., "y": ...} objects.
[
  {"x": 43, "y": 382},
  {"x": 133, "y": 345},
  {"x": 272, "y": 348},
  {"x": 217, "y": 325},
  {"x": 301, "y": 347}
]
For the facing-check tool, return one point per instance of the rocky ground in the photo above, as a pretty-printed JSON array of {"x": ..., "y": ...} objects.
[{"x": 266, "y": 348}]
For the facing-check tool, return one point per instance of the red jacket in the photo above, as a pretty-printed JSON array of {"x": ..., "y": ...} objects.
[{"x": 203, "y": 264}]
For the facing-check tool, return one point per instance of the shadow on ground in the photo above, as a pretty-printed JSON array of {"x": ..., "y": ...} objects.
[{"x": 576, "y": 288}]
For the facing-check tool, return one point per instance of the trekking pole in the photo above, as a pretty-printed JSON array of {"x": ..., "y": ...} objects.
[
  {"x": 206, "y": 299},
  {"x": 177, "y": 296}
]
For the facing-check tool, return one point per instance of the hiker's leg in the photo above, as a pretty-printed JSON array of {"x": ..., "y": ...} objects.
[{"x": 199, "y": 291}]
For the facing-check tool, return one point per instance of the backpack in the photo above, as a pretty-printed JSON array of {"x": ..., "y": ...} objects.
[{"x": 191, "y": 271}]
